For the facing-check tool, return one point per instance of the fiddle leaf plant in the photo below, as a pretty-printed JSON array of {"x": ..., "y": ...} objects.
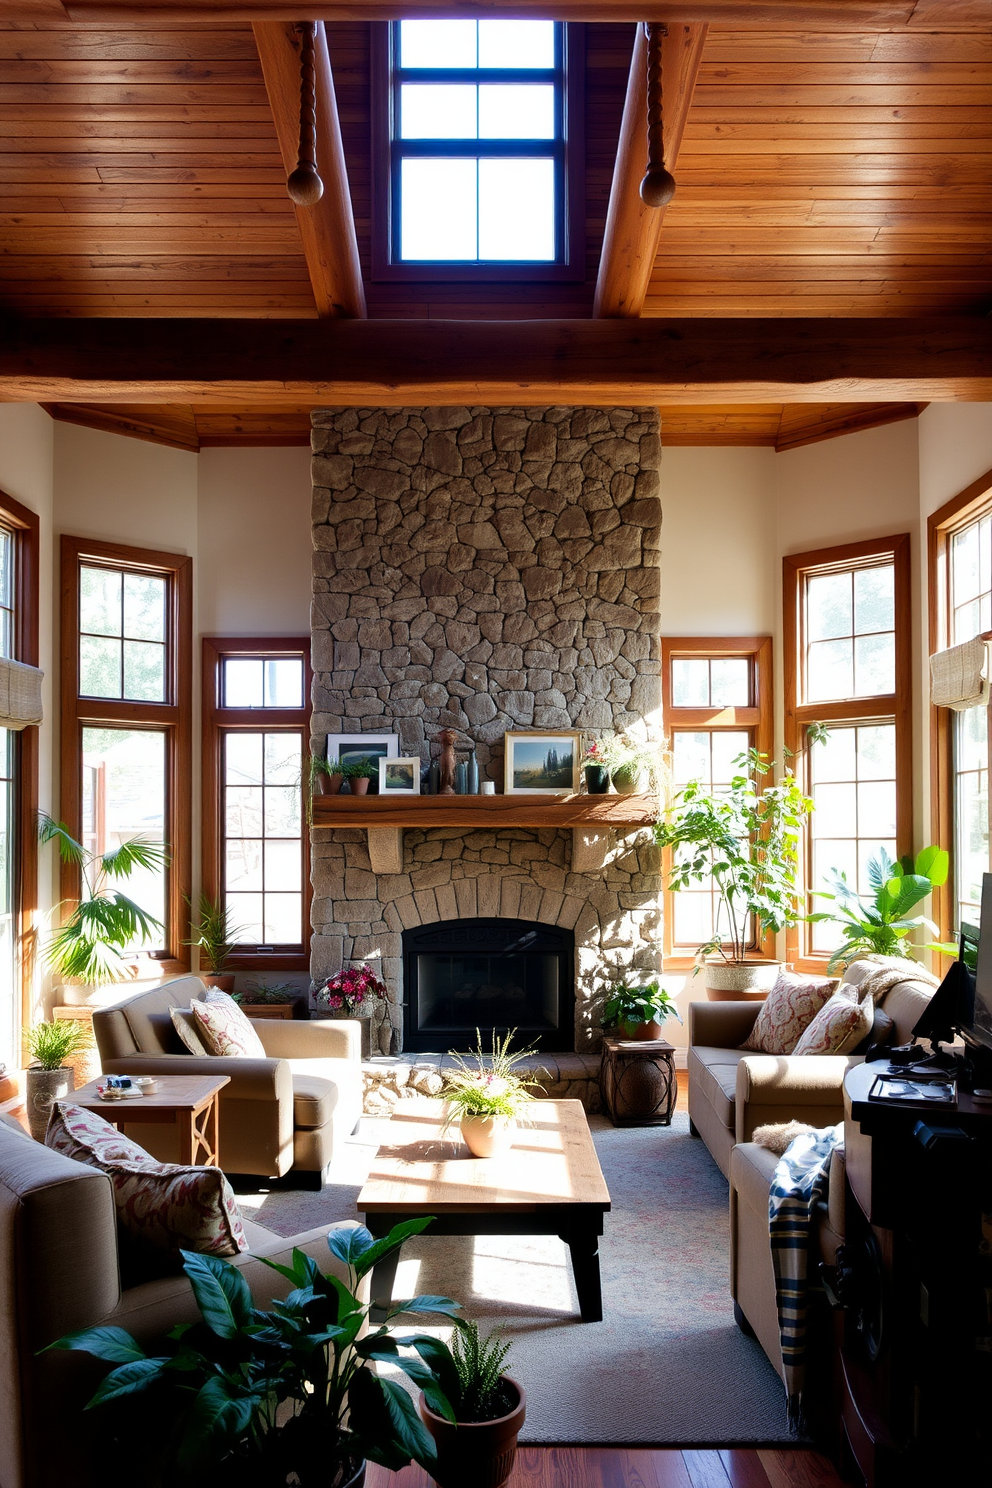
[
  {"x": 744, "y": 837},
  {"x": 104, "y": 923},
  {"x": 882, "y": 926}
]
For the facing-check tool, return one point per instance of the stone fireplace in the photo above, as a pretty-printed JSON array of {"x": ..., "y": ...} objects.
[{"x": 486, "y": 570}]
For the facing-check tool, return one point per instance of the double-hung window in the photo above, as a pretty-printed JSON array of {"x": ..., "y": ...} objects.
[
  {"x": 479, "y": 126},
  {"x": 256, "y": 711},
  {"x": 126, "y": 721},
  {"x": 717, "y": 698},
  {"x": 961, "y": 609},
  {"x": 18, "y": 777},
  {"x": 848, "y": 667}
]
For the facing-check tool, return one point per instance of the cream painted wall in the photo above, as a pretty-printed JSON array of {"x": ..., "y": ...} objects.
[
  {"x": 27, "y": 474},
  {"x": 955, "y": 449},
  {"x": 717, "y": 564},
  {"x": 254, "y": 541}
]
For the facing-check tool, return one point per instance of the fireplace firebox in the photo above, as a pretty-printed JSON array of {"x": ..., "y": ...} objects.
[{"x": 494, "y": 975}]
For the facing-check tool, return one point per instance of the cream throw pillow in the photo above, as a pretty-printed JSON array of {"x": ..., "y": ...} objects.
[
  {"x": 838, "y": 1028},
  {"x": 787, "y": 1012},
  {"x": 224, "y": 1028},
  {"x": 186, "y": 1026}
]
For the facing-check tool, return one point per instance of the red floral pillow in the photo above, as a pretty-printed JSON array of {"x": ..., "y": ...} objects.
[
  {"x": 162, "y": 1205},
  {"x": 787, "y": 1011},
  {"x": 838, "y": 1028}
]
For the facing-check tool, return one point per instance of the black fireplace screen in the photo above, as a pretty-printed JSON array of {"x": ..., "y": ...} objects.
[{"x": 494, "y": 975}]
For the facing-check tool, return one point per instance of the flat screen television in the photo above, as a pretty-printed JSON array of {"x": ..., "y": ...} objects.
[{"x": 980, "y": 1031}]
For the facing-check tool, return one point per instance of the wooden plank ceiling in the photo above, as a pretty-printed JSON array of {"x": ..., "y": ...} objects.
[{"x": 820, "y": 175}]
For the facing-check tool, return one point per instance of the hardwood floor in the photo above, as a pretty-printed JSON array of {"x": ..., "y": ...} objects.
[{"x": 623, "y": 1467}]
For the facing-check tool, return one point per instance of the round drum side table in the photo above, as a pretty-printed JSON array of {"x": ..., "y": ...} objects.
[{"x": 638, "y": 1081}]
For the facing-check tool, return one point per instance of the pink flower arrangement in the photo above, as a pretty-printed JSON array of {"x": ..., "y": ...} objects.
[{"x": 350, "y": 989}]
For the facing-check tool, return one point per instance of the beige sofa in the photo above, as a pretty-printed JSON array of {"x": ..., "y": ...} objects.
[
  {"x": 285, "y": 1112},
  {"x": 59, "y": 1273},
  {"x": 731, "y": 1092}
]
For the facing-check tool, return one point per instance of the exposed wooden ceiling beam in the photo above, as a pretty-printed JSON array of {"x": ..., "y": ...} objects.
[
  {"x": 630, "y": 242},
  {"x": 327, "y": 229},
  {"x": 794, "y": 15},
  {"x": 396, "y": 363}
]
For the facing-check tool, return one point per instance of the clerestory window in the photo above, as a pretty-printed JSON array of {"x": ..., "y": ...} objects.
[{"x": 481, "y": 133}]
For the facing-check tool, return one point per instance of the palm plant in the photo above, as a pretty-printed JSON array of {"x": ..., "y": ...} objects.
[
  {"x": 882, "y": 927},
  {"x": 214, "y": 934},
  {"x": 89, "y": 946}
]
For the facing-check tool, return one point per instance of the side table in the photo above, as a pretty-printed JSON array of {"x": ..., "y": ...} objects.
[
  {"x": 637, "y": 1078},
  {"x": 186, "y": 1102}
]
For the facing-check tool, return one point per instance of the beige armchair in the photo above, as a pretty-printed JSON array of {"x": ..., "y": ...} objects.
[
  {"x": 731, "y": 1092},
  {"x": 285, "y": 1112},
  {"x": 58, "y": 1236}
]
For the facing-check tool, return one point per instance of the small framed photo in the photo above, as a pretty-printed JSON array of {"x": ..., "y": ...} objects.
[
  {"x": 541, "y": 764},
  {"x": 399, "y": 777},
  {"x": 346, "y": 749}
]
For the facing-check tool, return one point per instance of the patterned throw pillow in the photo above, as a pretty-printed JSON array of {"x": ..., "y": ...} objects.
[
  {"x": 838, "y": 1028},
  {"x": 164, "y": 1206},
  {"x": 224, "y": 1028},
  {"x": 185, "y": 1025},
  {"x": 787, "y": 1011}
]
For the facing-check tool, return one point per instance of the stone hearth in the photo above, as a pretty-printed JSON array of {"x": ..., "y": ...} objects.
[{"x": 486, "y": 570}]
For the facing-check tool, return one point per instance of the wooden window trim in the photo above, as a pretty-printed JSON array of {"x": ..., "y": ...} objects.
[
  {"x": 572, "y": 269},
  {"x": 897, "y": 706},
  {"x": 759, "y": 718},
  {"x": 25, "y": 523},
  {"x": 175, "y": 717},
  {"x": 218, "y": 720},
  {"x": 961, "y": 510}
]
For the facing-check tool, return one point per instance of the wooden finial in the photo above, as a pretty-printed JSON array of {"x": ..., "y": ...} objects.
[
  {"x": 658, "y": 185},
  {"x": 304, "y": 185}
]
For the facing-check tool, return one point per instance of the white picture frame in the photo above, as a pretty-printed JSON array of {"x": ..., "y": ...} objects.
[
  {"x": 399, "y": 776},
  {"x": 541, "y": 763},
  {"x": 362, "y": 746}
]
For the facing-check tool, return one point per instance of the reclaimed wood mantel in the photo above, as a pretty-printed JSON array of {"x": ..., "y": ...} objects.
[{"x": 591, "y": 818}]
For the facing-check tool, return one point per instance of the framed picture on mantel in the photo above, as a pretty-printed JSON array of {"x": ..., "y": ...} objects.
[
  {"x": 347, "y": 749},
  {"x": 541, "y": 764}
]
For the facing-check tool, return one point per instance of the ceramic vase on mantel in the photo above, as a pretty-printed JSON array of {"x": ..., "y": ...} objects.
[
  {"x": 740, "y": 981},
  {"x": 488, "y": 1136}
]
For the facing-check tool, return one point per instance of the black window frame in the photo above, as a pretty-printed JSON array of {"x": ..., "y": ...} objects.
[{"x": 567, "y": 148}]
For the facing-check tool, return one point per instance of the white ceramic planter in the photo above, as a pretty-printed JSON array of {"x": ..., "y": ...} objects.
[
  {"x": 488, "y": 1136},
  {"x": 740, "y": 981}
]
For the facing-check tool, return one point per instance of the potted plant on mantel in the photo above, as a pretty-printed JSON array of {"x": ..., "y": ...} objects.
[
  {"x": 638, "y": 1012},
  {"x": 214, "y": 937},
  {"x": 360, "y": 774},
  {"x": 258, "y": 1399},
  {"x": 744, "y": 837},
  {"x": 480, "y": 1445}
]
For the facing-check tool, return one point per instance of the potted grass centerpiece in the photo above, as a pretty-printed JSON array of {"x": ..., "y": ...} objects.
[
  {"x": 50, "y": 1078},
  {"x": 480, "y": 1445},
  {"x": 489, "y": 1096}
]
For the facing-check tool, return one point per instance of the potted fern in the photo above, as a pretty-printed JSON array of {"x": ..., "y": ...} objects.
[
  {"x": 479, "y": 1447},
  {"x": 50, "y": 1079}
]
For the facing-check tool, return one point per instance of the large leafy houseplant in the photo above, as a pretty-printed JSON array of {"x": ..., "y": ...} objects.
[
  {"x": 90, "y": 944},
  {"x": 745, "y": 837},
  {"x": 882, "y": 927},
  {"x": 250, "y": 1396},
  {"x": 631, "y": 1008}
]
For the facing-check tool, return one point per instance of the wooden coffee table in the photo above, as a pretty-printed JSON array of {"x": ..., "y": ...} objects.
[
  {"x": 549, "y": 1183},
  {"x": 187, "y": 1102}
]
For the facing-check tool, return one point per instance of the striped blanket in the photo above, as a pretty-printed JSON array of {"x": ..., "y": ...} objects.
[{"x": 800, "y": 1180}]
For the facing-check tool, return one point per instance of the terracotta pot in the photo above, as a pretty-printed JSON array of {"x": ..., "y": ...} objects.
[
  {"x": 43, "y": 1088},
  {"x": 740, "y": 981},
  {"x": 488, "y": 1136},
  {"x": 334, "y": 784},
  {"x": 480, "y": 1453},
  {"x": 223, "y": 981},
  {"x": 597, "y": 779},
  {"x": 360, "y": 786},
  {"x": 641, "y": 1031},
  {"x": 321, "y": 783}
]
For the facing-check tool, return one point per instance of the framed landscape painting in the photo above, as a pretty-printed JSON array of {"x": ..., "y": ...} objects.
[
  {"x": 541, "y": 764},
  {"x": 399, "y": 777},
  {"x": 346, "y": 749}
]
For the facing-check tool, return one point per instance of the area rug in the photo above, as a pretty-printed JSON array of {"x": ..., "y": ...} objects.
[{"x": 667, "y": 1366}]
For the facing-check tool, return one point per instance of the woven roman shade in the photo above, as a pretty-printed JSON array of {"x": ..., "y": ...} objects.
[
  {"x": 20, "y": 694},
  {"x": 958, "y": 676}
]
